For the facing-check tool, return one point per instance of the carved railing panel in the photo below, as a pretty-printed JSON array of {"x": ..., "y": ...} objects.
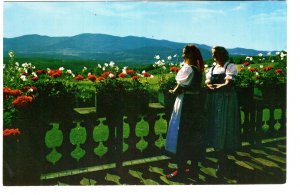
[{"x": 85, "y": 138}]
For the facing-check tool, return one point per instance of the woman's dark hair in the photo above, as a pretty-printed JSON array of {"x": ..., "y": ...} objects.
[
  {"x": 194, "y": 55},
  {"x": 222, "y": 53}
]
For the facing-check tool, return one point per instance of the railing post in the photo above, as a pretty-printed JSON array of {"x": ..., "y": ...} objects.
[
  {"x": 115, "y": 140},
  {"x": 132, "y": 119},
  {"x": 151, "y": 117},
  {"x": 258, "y": 123},
  {"x": 271, "y": 131},
  {"x": 89, "y": 122},
  {"x": 119, "y": 141},
  {"x": 282, "y": 130}
]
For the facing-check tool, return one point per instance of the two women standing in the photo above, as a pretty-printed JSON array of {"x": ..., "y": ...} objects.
[{"x": 195, "y": 115}]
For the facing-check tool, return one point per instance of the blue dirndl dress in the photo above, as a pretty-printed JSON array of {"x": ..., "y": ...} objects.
[{"x": 224, "y": 131}]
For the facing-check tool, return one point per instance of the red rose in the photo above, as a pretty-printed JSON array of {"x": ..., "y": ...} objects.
[
  {"x": 270, "y": 67},
  {"x": 6, "y": 92},
  {"x": 122, "y": 75},
  {"x": 8, "y": 132},
  {"x": 100, "y": 78},
  {"x": 92, "y": 78},
  {"x": 131, "y": 72},
  {"x": 253, "y": 69},
  {"x": 34, "y": 78},
  {"x": 78, "y": 78},
  {"x": 15, "y": 92},
  {"x": 279, "y": 71},
  {"x": 174, "y": 69},
  {"x": 22, "y": 102},
  {"x": 105, "y": 74},
  {"x": 246, "y": 63},
  {"x": 55, "y": 73},
  {"x": 39, "y": 72},
  {"x": 146, "y": 74},
  {"x": 135, "y": 78}
]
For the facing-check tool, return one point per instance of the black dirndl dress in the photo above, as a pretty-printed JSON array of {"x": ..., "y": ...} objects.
[{"x": 191, "y": 137}]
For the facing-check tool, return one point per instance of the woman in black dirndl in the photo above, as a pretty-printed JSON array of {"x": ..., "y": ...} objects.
[
  {"x": 224, "y": 133},
  {"x": 186, "y": 131}
]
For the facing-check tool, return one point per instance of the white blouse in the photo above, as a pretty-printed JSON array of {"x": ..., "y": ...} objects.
[
  {"x": 231, "y": 71},
  {"x": 185, "y": 75}
]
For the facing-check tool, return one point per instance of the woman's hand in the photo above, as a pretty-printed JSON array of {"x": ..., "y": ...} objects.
[
  {"x": 210, "y": 86},
  {"x": 217, "y": 86},
  {"x": 176, "y": 90},
  {"x": 171, "y": 91}
]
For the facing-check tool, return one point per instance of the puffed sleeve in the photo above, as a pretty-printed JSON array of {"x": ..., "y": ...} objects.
[
  {"x": 231, "y": 72},
  {"x": 208, "y": 76},
  {"x": 184, "y": 76}
]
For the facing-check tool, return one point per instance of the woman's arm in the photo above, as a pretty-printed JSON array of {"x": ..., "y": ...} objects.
[
  {"x": 176, "y": 90},
  {"x": 227, "y": 81},
  {"x": 207, "y": 81},
  {"x": 209, "y": 85}
]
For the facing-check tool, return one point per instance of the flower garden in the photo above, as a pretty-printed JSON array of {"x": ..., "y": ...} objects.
[{"x": 60, "y": 119}]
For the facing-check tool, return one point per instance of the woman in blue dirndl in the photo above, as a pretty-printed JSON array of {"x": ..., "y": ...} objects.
[
  {"x": 186, "y": 131},
  {"x": 224, "y": 133}
]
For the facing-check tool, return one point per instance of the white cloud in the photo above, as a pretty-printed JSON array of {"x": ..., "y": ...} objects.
[
  {"x": 239, "y": 8},
  {"x": 34, "y": 6},
  {"x": 272, "y": 17},
  {"x": 201, "y": 11}
]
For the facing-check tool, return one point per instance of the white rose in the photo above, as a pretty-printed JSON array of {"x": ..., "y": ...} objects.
[
  {"x": 111, "y": 63},
  {"x": 23, "y": 77}
]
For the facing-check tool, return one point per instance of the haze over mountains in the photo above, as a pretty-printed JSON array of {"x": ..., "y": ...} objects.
[{"x": 130, "y": 49}]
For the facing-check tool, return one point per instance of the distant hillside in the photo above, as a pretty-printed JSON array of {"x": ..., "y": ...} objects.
[{"x": 130, "y": 49}]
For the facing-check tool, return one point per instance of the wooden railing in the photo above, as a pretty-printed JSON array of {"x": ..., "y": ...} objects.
[{"x": 84, "y": 139}]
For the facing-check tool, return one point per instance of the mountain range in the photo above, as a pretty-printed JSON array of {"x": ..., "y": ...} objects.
[{"x": 129, "y": 49}]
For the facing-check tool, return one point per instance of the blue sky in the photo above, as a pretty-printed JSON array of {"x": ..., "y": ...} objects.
[{"x": 255, "y": 25}]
